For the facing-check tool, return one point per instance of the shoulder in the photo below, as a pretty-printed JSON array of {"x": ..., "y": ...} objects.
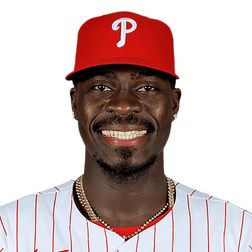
[
  {"x": 220, "y": 216},
  {"x": 22, "y": 213},
  {"x": 194, "y": 197},
  {"x": 197, "y": 197},
  {"x": 29, "y": 200}
]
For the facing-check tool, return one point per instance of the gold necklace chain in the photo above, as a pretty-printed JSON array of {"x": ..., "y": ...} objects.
[{"x": 93, "y": 217}]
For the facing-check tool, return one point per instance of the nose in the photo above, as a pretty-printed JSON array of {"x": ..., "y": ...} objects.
[{"x": 124, "y": 103}]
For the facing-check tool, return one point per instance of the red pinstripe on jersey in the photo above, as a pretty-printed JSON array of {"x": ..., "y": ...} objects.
[
  {"x": 172, "y": 230},
  {"x": 1, "y": 221},
  {"x": 190, "y": 223},
  {"x": 106, "y": 238},
  {"x": 176, "y": 184},
  {"x": 70, "y": 224},
  {"x": 88, "y": 236},
  {"x": 210, "y": 197},
  {"x": 193, "y": 193},
  {"x": 17, "y": 227},
  {"x": 54, "y": 205},
  {"x": 1, "y": 249},
  {"x": 225, "y": 226},
  {"x": 241, "y": 230},
  {"x": 35, "y": 229},
  {"x": 154, "y": 242},
  {"x": 137, "y": 242},
  {"x": 208, "y": 231},
  {"x": 57, "y": 188},
  {"x": 249, "y": 247}
]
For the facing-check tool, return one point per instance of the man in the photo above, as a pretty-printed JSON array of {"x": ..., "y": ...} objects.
[{"x": 124, "y": 99}]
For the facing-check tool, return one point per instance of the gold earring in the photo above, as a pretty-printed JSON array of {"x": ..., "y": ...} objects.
[
  {"x": 175, "y": 116},
  {"x": 74, "y": 116}
]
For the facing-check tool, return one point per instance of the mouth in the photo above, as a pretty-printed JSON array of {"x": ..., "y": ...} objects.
[{"x": 124, "y": 138}]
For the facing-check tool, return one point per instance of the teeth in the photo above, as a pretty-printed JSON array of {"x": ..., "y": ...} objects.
[{"x": 124, "y": 134}]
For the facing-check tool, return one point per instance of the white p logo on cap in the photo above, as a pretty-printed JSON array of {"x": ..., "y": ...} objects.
[{"x": 124, "y": 30}]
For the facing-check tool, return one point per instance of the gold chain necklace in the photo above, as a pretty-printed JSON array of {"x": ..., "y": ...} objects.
[{"x": 93, "y": 217}]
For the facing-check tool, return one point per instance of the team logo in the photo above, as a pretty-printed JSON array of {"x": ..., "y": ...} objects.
[{"x": 124, "y": 30}]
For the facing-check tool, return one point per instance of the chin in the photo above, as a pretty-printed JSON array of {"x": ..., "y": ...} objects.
[{"x": 125, "y": 171}]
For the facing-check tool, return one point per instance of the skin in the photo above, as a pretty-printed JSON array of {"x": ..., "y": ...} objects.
[{"x": 124, "y": 90}]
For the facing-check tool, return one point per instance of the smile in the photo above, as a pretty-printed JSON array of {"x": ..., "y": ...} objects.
[
  {"x": 124, "y": 135},
  {"x": 124, "y": 138}
]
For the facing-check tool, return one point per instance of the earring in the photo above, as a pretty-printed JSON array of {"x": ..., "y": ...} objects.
[
  {"x": 175, "y": 116},
  {"x": 74, "y": 116}
]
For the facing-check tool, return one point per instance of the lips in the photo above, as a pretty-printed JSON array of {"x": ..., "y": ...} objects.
[
  {"x": 124, "y": 142},
  {"x": 123, "y": 138},
  {"x": 123, "y": 131}
]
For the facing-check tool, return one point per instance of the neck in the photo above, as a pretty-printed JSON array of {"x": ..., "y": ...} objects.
[{"x": 129, "y": 204}]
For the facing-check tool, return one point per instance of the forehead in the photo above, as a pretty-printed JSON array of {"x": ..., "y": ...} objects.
[{"x": 115, "y": 71}]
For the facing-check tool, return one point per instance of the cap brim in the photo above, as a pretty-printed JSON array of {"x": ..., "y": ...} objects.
[{"x": 121, "y": 61}]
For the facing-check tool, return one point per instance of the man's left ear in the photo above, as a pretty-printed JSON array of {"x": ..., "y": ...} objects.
[
  {"x": 176, "y": 95},
  {"x": 73, "y": 99}
]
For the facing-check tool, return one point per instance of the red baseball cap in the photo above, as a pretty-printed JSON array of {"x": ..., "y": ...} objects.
[{"x": 124, "y": 38}]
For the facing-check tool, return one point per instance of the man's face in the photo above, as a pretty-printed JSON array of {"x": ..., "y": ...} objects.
[{"x": 124, "y": 115}]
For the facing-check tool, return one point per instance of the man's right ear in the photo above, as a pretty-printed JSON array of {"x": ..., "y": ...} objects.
[{"x": 73, "y": 95}]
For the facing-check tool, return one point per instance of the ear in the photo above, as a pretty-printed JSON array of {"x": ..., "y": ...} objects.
[
  {"x": 176, "y": 95},
  {"x": 73, "y": 95}
]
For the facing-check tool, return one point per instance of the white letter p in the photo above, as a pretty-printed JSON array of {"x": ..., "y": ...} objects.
[{"x": 124, "y": 31}]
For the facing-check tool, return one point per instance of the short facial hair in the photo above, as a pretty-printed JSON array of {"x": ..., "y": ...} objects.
[{"x": 125, "y": 172}]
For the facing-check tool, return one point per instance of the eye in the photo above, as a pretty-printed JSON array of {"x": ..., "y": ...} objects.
[
  {"x": 101, "y": 88},
  {"x": 146, "y": 89}
]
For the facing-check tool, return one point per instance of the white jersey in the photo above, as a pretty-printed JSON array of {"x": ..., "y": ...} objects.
[{"x": 50, "y": 222}]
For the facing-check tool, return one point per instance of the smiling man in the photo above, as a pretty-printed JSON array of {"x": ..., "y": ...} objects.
[
  {"x": 125, "y": 100},
  {"x": 124, "y": 115}
]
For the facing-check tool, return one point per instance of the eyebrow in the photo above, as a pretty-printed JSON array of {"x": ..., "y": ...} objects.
[
  {"x": 107, "y": 74},
  {"x": 134, "y": 76},
  {"x": 143, "y": 75}
]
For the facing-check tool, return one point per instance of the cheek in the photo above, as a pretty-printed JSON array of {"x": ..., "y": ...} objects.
[
  {"x": 86, "y": 112},
  {"x": 163, "y": 113},
  {"x": 163, "y": 116}
]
